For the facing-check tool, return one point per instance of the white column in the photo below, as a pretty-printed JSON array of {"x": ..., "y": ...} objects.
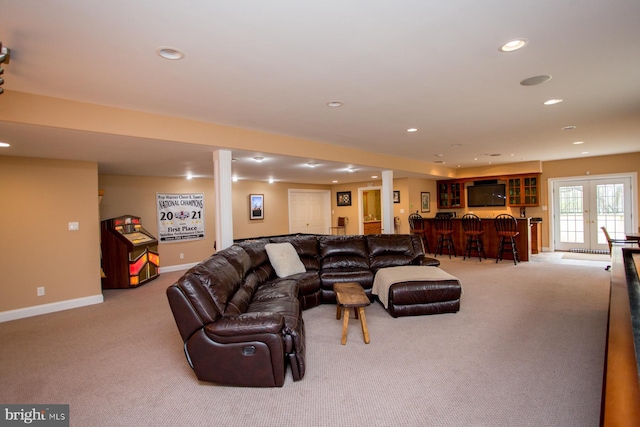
[
  {"x": 387, "y": 202},
  {"x": 224, "y": 211}
]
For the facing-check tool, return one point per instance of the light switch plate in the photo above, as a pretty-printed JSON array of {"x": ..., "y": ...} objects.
[{"x": 74, "y": 226}]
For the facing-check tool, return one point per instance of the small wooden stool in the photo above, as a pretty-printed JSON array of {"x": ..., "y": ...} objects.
[{"x": 351, "y": 295}]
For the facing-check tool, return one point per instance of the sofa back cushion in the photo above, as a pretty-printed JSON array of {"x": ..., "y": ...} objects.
[
  {"x": 307, "y": 248},
  {"x": 219, "y": 277},
  {"x": 256, "y": 251},
  {"x": 343, "y": 252},
  {"x": 390, "y": 250},
  {"x": 242, "y": 297},
  {"x": 237, "y": 257}
]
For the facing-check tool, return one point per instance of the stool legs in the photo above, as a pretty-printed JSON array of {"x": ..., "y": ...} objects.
[
  {"x": 514, "y": 249},
  {"x": 442, "y": 240},
  {"x": 474, "y": 243}
]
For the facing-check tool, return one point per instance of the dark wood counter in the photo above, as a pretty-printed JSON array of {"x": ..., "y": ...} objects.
[
  {"x": 621, "y": 388},
  {"x": 490, "y": 239}
]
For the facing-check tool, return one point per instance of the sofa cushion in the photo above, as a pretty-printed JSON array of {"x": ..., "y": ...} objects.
[
  {"x": 219, "y": 277},
  {"x": 255, "y": 249},
  {"x": 238, "y": 257},
  {"x": 284, "y": 259},
  {"x": 342, "y": 252},
  {"x": 389, "y": 250}
]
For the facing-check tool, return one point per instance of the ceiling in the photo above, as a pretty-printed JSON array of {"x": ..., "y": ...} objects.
[{"x": 273, "y": 66}]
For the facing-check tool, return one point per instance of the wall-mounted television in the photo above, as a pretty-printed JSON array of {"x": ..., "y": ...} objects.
[{"x": 486, "y": 195}]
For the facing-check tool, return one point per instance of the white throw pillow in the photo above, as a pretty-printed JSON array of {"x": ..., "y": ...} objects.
[{"x": 284, "y": 259}]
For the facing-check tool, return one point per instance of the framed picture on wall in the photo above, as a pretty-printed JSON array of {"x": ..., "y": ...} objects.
[
  {"x": 396, "y": 197},
  {"x": 256, "y": 206},
  {"x": 344, "y": 198},
  {"x": 425, "y": 202}
]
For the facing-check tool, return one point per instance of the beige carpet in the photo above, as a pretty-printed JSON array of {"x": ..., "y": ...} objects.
[{"x": 526, "y": 349}]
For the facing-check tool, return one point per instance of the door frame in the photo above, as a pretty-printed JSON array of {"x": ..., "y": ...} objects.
[
  {"x": 633, "y": 176},
  {"x": 361, "y": 207}
]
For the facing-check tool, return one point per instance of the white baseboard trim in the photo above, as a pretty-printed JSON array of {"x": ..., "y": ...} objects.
[
  {"x": 37, "y": 310},
  {"x": 170, "y": 268}
]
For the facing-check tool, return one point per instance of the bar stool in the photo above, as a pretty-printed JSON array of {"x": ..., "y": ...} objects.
[
  {"x": 418, "y": 226},
  {"x": 472, "y": 226},
  {"x": 444, "y": 230},
  {"x": 507, "y": 229}
]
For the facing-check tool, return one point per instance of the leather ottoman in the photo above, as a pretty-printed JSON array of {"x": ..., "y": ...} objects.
[{"x": 430, "y": 291}]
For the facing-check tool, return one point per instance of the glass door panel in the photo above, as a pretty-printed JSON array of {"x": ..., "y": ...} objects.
[{"x": 581, "y": 208}]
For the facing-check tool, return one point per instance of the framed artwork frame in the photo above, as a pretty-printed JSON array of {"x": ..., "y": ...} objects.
[
  {"x": 425, "y": 202},
  {"x": 396, "y": 197},
  {"x": 256, "y": 206},
  {"x": 343, "y": 198}
]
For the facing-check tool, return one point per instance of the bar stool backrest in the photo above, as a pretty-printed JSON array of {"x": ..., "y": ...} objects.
[
  {"x": 506, "y": 225},
  {"x": 471, "y": 223},
  {"x": 443, "y": 223},
  {"x": 415, "y": 221}
]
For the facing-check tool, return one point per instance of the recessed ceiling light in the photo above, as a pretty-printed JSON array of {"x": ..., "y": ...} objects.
[
  {"x": 334, "y": 104},
  {"x": 312, "y": 165},
  {"x": 585, "y": 152},
  {"x": 568, "y": 128},
  {"x": 412, "y": 130},
  {"x": 536, "y": 80},
  {"x": 374, "y": 176},
  {"x": 578, "y": 142},
  {"x": 512, "y": 45},
  {"x": 4, "y": 145},
  {"x": 170, "y": 53},
  {"x": 189, "y": 176},
  {"x": 258, "y": 159},
  {"x": 271, "y": 180},
  {"x": 334, "y": 181},
  {"x": 234, "y": 178},
  {"x": 351, "y": 170},
  {"x": 552, "y": 101}
]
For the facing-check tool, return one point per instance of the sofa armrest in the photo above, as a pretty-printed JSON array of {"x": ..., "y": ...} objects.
[
  {"x": 247, "y": 324},
  {"x": 428, "y": 261}
]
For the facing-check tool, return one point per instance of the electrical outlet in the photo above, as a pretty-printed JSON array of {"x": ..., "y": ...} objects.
[
  {"x": 40, "y": 291},
  {"x": 181, "y": 256},
  {"x": 74, "y": 226}
]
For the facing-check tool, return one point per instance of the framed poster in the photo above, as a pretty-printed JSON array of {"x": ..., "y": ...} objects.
[
  {"x": 425, "y": 202},
  {"x": 344, "y": 198},
  {"x": 180, "y": 217},
  {"x": 256, "y": 206},
  {"x": 396, "y": 197}
]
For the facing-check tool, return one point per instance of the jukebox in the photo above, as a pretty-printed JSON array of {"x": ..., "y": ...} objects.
[{"x": 129, "y": 253}]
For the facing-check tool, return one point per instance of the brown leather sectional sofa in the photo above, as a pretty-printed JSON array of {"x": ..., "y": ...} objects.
[{"x": 242, "y": 325}]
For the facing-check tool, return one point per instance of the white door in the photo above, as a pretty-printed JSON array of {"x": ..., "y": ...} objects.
[
  {"x": 309, "y": 211},
  {"x": 582, "y": 207}
]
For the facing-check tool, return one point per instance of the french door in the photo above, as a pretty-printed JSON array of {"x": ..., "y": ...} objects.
[{"x": 582, "y": 207}]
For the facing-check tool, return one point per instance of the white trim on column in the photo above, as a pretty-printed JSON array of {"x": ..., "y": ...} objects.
[
  {"x": 387, "y": 202},
  {"x": 224, "y": 202}
]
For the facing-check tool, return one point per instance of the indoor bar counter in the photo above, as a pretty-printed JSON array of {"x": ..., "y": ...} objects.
[{"x": 490, "y": 238}]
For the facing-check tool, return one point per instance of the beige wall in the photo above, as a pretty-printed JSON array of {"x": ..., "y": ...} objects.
[
  {"x": 43, "y": 196},
  {"x": 276, "y": 207},
  {"x": 135, "y": 195},
  {"x": 39, "y": 199}
]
